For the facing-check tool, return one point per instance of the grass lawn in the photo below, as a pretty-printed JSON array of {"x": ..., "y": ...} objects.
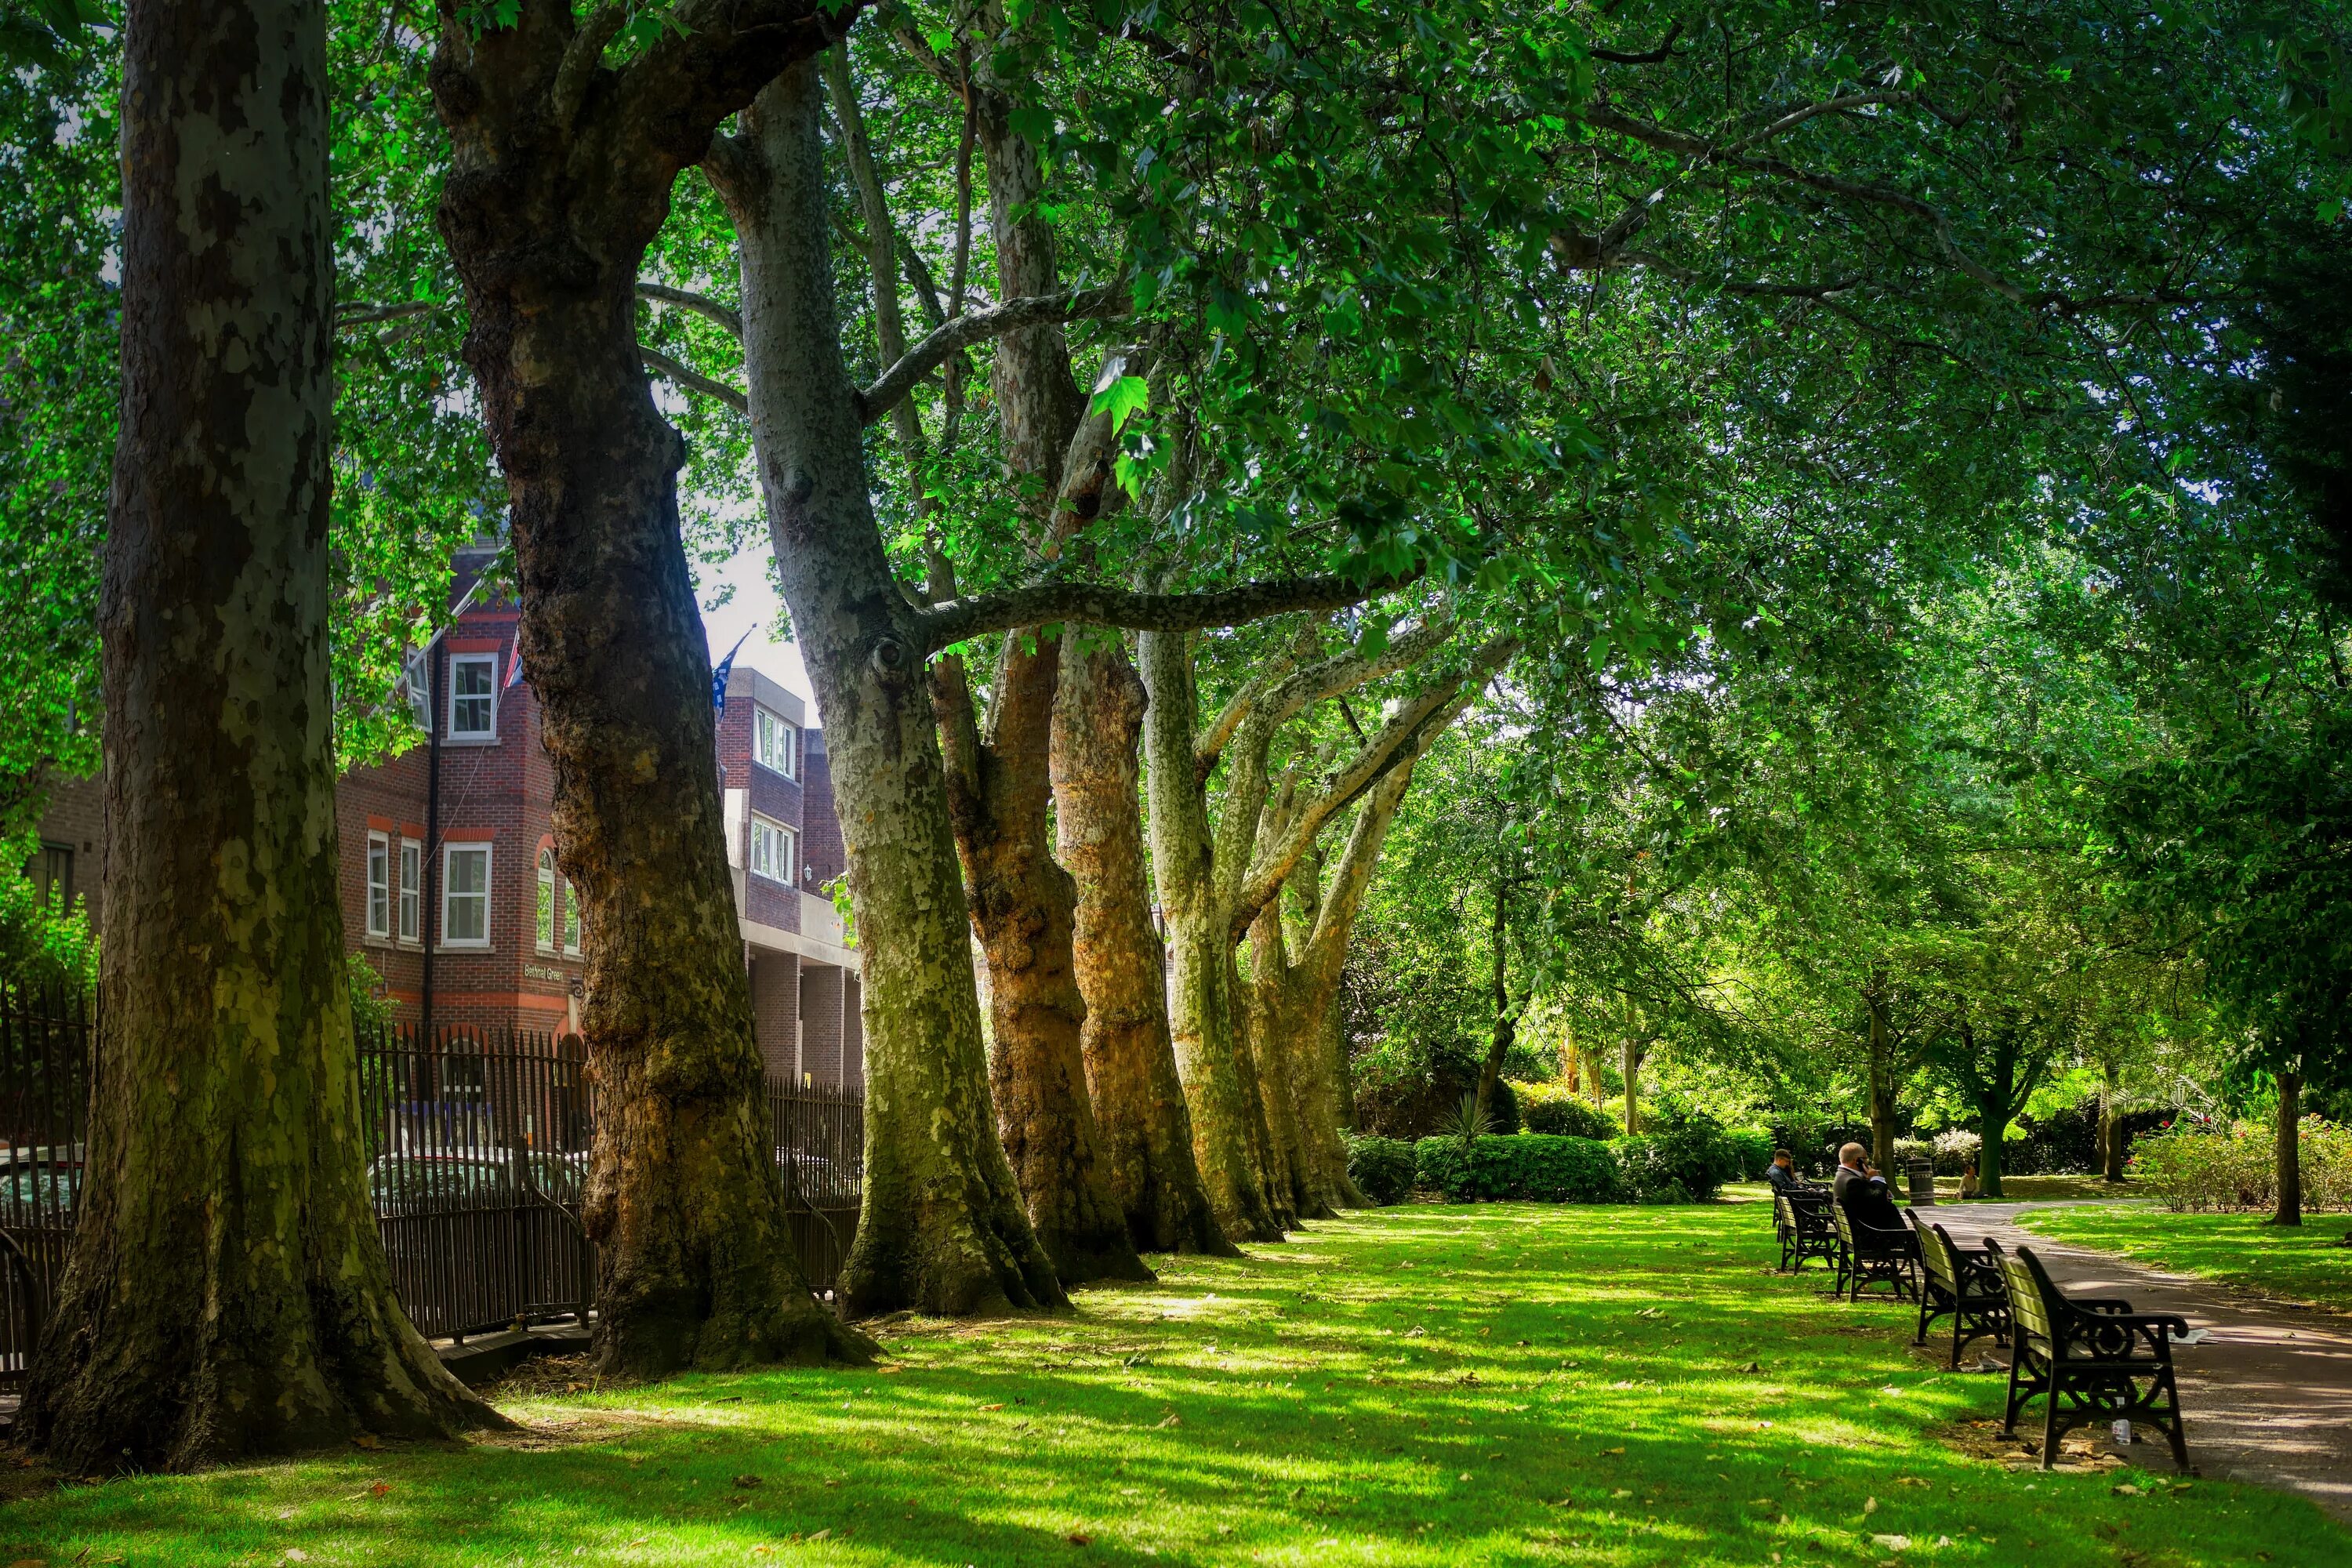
[
  {"x": 2310, "y": 1263},
  {"x": 1441, "y": 1385}
]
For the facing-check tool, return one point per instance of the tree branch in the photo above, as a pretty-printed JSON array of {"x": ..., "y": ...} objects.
[
  {"x": 582, "y": 55},
  {"x": 661, "y": 365},
  {"x": 702, "y": 305},
  {"x": 1647, "y": 56},
  {"x": 960, "y": 332},
  {"x": 368, "y": 315},
  {"x": 1101, "y": 605}
]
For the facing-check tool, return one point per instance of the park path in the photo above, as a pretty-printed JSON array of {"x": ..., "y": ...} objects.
[{"x": 2266, "y": 1399}]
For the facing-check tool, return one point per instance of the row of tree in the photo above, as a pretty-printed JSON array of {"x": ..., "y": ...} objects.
[{"x": 1588, "y": 344}]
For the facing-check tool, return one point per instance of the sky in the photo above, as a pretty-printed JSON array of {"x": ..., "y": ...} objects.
[{"x": 755, "y": 608}]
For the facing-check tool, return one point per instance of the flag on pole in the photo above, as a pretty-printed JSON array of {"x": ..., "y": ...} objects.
[
  {"x": 719, "y": 676},
  {"x": 514, "y": 666}
]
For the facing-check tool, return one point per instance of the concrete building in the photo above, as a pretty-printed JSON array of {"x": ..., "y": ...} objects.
[{"x": 451, "y": 887}]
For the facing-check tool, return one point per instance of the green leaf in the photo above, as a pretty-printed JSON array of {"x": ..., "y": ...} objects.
[{"x": 1130, "y": 394}]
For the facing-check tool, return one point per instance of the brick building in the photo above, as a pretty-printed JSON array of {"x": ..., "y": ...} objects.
[{"x": 451, "y": 888}]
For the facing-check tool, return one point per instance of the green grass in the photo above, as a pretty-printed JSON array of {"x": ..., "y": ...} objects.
[
  {"x": 1424, "y": 1385},
  {"x": 2309, "y": 1263}
]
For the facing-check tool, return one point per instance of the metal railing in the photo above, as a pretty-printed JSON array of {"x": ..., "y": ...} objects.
[{"x": 477, "y": 1144}]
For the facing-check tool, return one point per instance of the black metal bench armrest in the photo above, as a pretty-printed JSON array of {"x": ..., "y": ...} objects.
[
  {"x": 2173, "y": 1320},
  {"x": 2098, "y": 1303}
]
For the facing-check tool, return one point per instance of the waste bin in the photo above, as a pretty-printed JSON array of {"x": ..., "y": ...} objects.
[{"x": 1923, "y": 1182}]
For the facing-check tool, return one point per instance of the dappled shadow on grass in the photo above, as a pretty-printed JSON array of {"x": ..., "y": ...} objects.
[
  {"x": 2307, "y": 1263},
  {"x": 1426, "y": 1385}
]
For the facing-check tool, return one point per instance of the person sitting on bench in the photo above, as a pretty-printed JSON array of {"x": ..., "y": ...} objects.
[
  {"x": 1866, "y": 1201},
  {"x": 1783, "y": 1173}
]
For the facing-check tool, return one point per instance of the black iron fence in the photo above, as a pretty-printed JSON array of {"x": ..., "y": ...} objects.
[{"x": 476, "y": 1146}]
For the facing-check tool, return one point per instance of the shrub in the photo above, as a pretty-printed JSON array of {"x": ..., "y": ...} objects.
[
  {"x": 1955, "y": 1148},
  {"x": 1381, "y": 1168},
  {"x": 1687, "y": 1160},
  {"x": 1556, "y": 1111},
  {"x": 2197, "y": 1166},
  {"x": 1532, "y": 1165},
  {"x": 1752, "y": 1147}
]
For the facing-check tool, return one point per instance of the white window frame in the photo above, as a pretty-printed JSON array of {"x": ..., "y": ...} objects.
[
  {"x": 379, "y": 886},
  {"x": 449, "y": 894},
  {"x": 411, "y": 890},
  {"x": 489, "y": 663},
  {"x": 786, "y": 841},
  {"x": 546, "y": 924},
  {"x": 771, "y": 731}
]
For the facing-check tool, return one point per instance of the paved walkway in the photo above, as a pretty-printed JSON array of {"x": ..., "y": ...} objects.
[{"x": 2267, "y": 1398}]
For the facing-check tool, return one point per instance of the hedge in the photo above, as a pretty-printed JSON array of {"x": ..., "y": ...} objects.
[
  {"x": 1754, "y": 1151},
  {"x": 1381, "y": 1168},
  {"x": 1554, "y": 1108},
  {"x": 1532, "y": 1165}
]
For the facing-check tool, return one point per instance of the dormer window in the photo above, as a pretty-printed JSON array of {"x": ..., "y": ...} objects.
[
  {"x": 473, "y": 695},
  {"x": 775, "y": 743}
]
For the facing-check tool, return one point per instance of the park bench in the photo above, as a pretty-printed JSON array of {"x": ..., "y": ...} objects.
[
  {"x": 1802, "y": 1220},
  {"x": 2093, "y": 1359},
  {"x": 1869, "y": 1256},
  {"x": 1962, "y": 1283}
]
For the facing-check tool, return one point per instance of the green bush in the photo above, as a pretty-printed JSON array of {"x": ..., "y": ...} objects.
[
  {"x": 1555, "y": 1110},
  {"x": 1753, "y": 1149},
  {"x": 1532, "y": 1165},
  {"x": 2195, "y": 1166},
  {"x": 1687, "y": 1160},
  {"x": 1381, "y": 1168}
]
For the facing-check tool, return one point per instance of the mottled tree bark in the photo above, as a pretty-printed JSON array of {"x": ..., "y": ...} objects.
[
  {"x": 1202, "y": 1011},
  {"x": 226, "y": 1294},
  {"x": 1298, "y": 1001},
  {"x": 943, "y": 1228},
  {"x": 1881, "y": 1065},
  {"x": 2111, "y": 1121},
  {"x": 1000, "y": 785},
  {"x": 1215, "y": 880},
  {"x": 1024, "y": 907},
  {"x": 560, "y": 176},
  {"x": 1142, "y": 1124}
]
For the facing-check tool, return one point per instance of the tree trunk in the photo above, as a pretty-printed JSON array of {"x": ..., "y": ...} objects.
[
  {"x": 1318, "y": 1084},
  {"x": 2111, "y": 1123},
  {"x": 696, "y": 1266},
  {"x": 1882, "y": 1083},
  {"x": 1266, "y": 1089},
  {"x": 1201, "y": 1006},
  {"x": 1630, "y": 1060},
  {"x": 1143, "y": 1125},
  {"x": 944, "y": 1229},
  {"x": 2290, "y": 1149},
  {"x": 226, "y": 1294},
  {"x": 1000, "y": 787},
  {"x": 1505, "y": 1029},
  {"x": 1024, "y": 906},
  {"x": 1992, "y": 1126},
  {"x": 1281, "y": 1038}
]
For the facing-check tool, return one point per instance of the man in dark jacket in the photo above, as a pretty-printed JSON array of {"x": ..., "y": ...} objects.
[
  {"x": 1866, "y": 1201},
  {"x": 1783, "y": 1173}
]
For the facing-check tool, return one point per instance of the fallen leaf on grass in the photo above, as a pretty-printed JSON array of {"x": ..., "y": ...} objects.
[
  {"x": 748, "y": 1482},
  {"x": 991, "y": 1406},
  {"x": 1612, "y": 1450},
  {"x": 1892, "y": 1542},
  {"x": 1173, "y": 1420},
  {"x": 1870, "y": 1505},
  {"x": 2127, "y": 1490},
  {"x": 367, "y": 1440},
  {"x": 1075, "y": 1539}
]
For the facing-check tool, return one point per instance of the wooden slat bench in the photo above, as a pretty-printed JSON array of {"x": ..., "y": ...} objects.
[
  {"x": 1802, "y": 1220},
  {"x": 2092, "y": 1359},
  {"x": 1962, "y": 1283},
  {"x": 1868, "y": 1256}
]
